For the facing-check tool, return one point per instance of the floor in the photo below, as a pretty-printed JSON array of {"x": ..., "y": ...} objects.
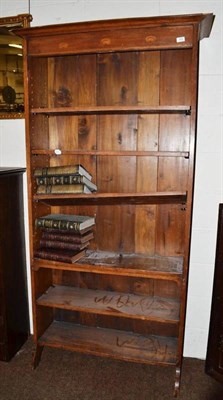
[{"x": 63, "y": 375}]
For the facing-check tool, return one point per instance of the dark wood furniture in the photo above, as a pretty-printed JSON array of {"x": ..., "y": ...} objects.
[
  {"x": 130, "y": 119},
  {"x": 214, "y": 359},
  {"x": 14, "y": 314}
]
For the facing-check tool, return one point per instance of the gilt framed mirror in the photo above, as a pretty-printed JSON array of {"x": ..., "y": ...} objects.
[{"x": 11, "y": 67}]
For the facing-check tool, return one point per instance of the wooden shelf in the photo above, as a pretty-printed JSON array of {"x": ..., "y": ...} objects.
[
  {"x": 124, "y": 153},
  {"x": 113, "y": 198},
  {"x": 111, "y": 303},
  {"x": 111, "y": 263},
  {"x": 111, "y": 343},
  {"x": 118, "y": 109}
]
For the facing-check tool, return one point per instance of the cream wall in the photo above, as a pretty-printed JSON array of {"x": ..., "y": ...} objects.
[{"x": 208, "y": 183}]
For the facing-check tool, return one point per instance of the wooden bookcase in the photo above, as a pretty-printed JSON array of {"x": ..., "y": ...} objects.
[{"x": 131, "y": 121}]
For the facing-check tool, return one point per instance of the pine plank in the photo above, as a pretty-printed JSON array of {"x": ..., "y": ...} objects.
[
  {"x": 110, "y": 109},
  {"x": 111, "y": 303},
  {"x": 170, "y": 230},
  {"x": 136, "y": 265},
  {"x": 111, "y": 343},
  {"x": 114, "y": 198},
  {"x": 127, "y": 153},
  {"x": 148, "y": 74}
]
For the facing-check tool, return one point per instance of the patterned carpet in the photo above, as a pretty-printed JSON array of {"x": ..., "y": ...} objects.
[{"x": 63, "y": 375}]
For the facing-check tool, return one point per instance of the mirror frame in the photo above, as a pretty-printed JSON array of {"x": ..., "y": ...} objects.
[{"x": 17, "y": 21}]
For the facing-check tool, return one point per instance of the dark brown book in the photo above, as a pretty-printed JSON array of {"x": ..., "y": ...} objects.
[
  {"x": 63, "y": 189},
  {"x": 65, "y": 180},
  {"x": 65, "y": 222},
  {"x": 67, "y": 256},
  {"x": 70, "y": 238},
  {"x": 62, "y": 170},
  {"x": 67, "y": 233},
  {"x": 55, "y": 244}
]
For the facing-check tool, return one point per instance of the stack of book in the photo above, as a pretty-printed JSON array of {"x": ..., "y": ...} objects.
[
  {"x": 64, "y": 180},
  {"x": 64, "y": 237}
]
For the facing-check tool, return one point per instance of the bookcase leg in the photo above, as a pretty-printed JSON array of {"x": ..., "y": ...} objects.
[
  {"x": 177, "y": 382},
  {"x": 37, "y": 355}
]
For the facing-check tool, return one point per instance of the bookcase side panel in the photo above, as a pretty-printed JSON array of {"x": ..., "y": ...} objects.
[
  {"x": 38, "y": 81},
  {"x": 42, "y": 317}
]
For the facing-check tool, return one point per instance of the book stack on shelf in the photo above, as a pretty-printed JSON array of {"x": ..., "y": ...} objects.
[
  {"x": 64, "y": 179},
  {"x": 64, "y": 237}
]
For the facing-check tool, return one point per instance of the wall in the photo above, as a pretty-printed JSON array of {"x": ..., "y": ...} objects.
[{"x": 208, "y": 182}]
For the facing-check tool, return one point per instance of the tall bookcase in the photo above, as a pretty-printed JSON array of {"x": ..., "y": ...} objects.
[{"x": 131, "y": 121}]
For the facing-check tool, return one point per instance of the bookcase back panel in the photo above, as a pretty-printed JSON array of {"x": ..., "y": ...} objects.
[
  {"x": 72, "y": 81},
  {"x": 145, "y": 229},
  {"x": 148, "y": 132},
  {"x": 148, "y": 72},
  {"x": 123, "y": 284},
  {"x": 175, "y": 77},
  {"x": 116, "y": 228},
  {"x": 149, "y": 78},
  {"x": 117, "y": 82},
  {"x": 147, "y": 139},
  {"x": 170, "y": 230},
  {"x": 65, "y": 133},
  {"x": 131, "y": 229},
  {"x": 146, "y": 174},
  {"x": 117, "y": 132},
  {"x": 117, "y": 174},
  {"x": 145, "y": 215},
  {"x": 112, "y": 293},
  {"x": 122, "y": 81},
  {"x": 174, "y": 132},
  {"x": 87, "y": 132},
  {"x": 142, "y": 132},
  {"x": 119, "y": 323},
  {"x": 172, "y": 174}
]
